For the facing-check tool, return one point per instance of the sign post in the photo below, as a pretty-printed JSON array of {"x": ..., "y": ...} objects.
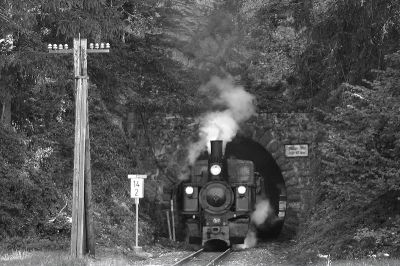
[{"x": 137, "y": 192}]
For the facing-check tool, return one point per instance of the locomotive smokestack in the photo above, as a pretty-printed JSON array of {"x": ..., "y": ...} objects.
[{"x": 216, "y": 151}]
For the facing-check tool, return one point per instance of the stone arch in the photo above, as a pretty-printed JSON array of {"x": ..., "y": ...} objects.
[
  {"x": 270, "y": 181},
  {"x": 289, "y": 194},
  {"x": 273, "y": 131}
]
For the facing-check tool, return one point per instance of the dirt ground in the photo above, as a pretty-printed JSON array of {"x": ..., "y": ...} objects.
[
  {"x": 268, "y": 254},
  {"x": 272, "y": 253},
  {"x": 264, "y": 254}
]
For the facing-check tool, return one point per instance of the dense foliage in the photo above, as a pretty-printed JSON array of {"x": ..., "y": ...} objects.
[
  {"x": 27, "y": 193},
  {"x": 358, "y": 189},
  {"x": 37, "y": 107},
  {"x": 347, "y": 40}
]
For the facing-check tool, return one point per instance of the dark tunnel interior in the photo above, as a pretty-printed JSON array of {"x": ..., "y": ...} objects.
[{"x": 247, "y": 149}]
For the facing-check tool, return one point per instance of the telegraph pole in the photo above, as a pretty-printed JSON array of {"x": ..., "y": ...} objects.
[{"x": 82, "y": 233}]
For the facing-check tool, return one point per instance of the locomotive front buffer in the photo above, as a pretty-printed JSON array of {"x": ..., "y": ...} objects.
[{"x": 218, "y": 199}]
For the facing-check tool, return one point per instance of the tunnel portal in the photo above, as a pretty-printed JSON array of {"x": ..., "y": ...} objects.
[{"x": 271, "y": 182}]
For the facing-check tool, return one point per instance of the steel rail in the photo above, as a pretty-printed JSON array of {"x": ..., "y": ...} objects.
[
  {"x": 188, "y": 258},
  {"x": 220, "y": 257}
]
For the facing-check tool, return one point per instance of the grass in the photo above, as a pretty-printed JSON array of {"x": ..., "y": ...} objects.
[
  {"x": 39, "y": 258},
  {"x": 361, "y": 262},
  {"x": 61, "y": 258}
]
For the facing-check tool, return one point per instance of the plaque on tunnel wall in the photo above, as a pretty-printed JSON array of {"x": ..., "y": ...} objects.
[{"x": 296, "y": 150}]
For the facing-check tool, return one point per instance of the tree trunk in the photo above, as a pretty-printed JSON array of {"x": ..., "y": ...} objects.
[
  {"x": 6, "y": 109},
  {"x": 307, "y": 9}
]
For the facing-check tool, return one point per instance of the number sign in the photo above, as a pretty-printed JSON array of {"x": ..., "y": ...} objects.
[
  {"x": 137, "y": 185},
  {"x": 296, "y": 150}
]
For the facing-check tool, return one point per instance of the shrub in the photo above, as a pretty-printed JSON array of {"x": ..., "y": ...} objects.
[{"x": 358, "y": 188}]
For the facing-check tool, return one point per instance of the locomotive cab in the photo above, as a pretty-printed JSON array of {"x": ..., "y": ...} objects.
[{"x": 218, "y": 199}]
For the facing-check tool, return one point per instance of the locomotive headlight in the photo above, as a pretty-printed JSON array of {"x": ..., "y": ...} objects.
[
  {"x": 241, "y": 190},
  {"x": 189, "y": 190},
  {"x": 215, "y": 169}
]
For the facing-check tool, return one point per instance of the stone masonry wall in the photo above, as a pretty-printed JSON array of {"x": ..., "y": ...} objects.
[
  {"x": 170, "y": 136},
  {"x": 273, "y": 131}
]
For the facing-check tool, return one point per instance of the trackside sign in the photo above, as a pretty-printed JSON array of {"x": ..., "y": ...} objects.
[
  {"x": 137, "y": 185},
  {"x": 296, "y": 150}
]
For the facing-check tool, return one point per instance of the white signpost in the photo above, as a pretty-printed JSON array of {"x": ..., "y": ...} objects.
[{"x": 137, "y": 192}]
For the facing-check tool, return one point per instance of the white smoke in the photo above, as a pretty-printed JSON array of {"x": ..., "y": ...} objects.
[
  {"x": 222, "y": 125},
  {"x": 262, "y": 212},
  {"x": 250, "y": 240}
]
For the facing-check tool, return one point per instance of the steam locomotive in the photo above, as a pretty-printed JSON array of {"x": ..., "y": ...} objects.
[{"x": 217, "y": 201}]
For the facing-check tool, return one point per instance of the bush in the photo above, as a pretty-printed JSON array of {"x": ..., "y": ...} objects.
[
  {"x": 27, "y": 193},
  {"x": 358, "y": 189}
]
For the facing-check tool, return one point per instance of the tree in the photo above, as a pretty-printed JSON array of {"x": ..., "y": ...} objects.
[
  {"x": 348, "y": 38},
  {"x": 138, "y": 77},
  {"x": 356, "y": 199}
]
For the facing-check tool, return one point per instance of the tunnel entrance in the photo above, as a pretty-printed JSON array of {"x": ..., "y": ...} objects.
[
  {"x": 270, "y": 134},
  {"x": 270, "y": 209}
]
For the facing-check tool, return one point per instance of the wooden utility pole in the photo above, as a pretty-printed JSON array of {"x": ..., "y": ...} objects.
[{"x": 82, "y": 232}]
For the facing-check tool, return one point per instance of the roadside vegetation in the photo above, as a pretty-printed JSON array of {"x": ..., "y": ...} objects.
[{"x": 25, "y": 258}]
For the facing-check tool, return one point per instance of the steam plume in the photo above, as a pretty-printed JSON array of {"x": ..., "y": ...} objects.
[
  {"x": 238, "y": 106},
  {"x": 250, "y": 240},
  {"x": 262, "y": 212}
]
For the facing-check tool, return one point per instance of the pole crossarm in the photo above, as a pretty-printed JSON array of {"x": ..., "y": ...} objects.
[
  {"x": 71, "y": 51},
  {"x": 82, "y": 232},
  {"x": 93, "y": 51},
  {"x": 64, "y": 51}
]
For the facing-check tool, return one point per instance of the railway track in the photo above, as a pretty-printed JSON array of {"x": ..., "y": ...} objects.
[{"x": 202, "y": 258}]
